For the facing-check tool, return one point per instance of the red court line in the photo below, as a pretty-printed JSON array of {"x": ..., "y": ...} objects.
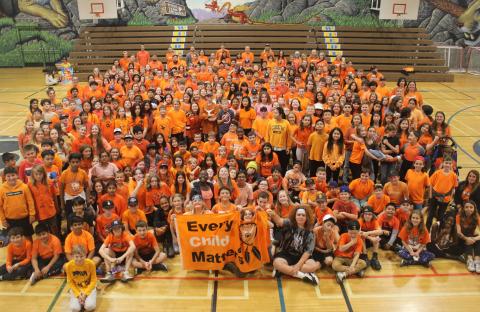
[{"x": 233, "y": 278}]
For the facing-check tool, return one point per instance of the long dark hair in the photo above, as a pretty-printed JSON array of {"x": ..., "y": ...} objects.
[
  {"x": 265, "y": 157},
  {"x": 177, "y": 186},
  {"x": 331, "y": 142}
]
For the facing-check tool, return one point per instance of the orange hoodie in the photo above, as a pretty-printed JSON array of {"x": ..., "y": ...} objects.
[{"x": 16, "y": 202}]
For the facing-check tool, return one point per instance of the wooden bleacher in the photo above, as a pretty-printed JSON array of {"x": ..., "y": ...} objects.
[{"x": 390, "y": 49}]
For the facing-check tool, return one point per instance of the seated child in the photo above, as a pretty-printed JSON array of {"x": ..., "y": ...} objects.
[
  {"x": 19, "y": 256},
  {"x": 82, "y": 280},
  {"x": 118, "y": 247},
  {"x": 415, "y": 237},
  {"x": 390, "y": 226},
  {"x": 378, "y": 200},
  {"x": 347, "y": 256},
  {"x": 147, "y": 255},
  {"x": 47, "y": 254},
  {"x": 326, "y": 241}
]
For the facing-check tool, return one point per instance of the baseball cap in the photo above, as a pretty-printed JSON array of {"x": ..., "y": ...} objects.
[
  {"x": 132, "y": 201},
  {"x": 328, "y": 218},
  {"x": 353, "y": 225},
  {"x": 128, "y": 136},
  {"x": 344, "y": 189},
  {"x": 107, "y": 204},
  {"x": 333, "y": 183},
  {"x": 367, "y": 209},
  {"x": 309, "y": 181},
  {"x": 321, "y": 198},
  {"x": 378, "y": 186},
  {"x": 117, "y": 130},
  {"x": 197, "y": 197},
  {"x": 63, "y": 116},
  {"x": 116, "y": 223}
]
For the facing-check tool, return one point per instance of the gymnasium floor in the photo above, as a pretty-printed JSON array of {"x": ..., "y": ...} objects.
[{"x": 446, "y": 286}]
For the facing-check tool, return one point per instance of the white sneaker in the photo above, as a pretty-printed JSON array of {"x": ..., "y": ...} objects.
[
  {"x": 33, "y": 280},
  {"x": 477, "y": 266},
  {"x": 470, "y": 265},
  {"x": 176, "y": 249},
  {"x": 126, "y": 277},
  {"x": 340, "y": 277}
]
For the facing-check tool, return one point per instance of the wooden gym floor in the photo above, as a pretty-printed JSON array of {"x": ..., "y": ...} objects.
[{"x": 446, "y": 286}]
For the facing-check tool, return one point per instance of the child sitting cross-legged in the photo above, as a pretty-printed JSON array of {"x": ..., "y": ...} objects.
[
  {"x": 118, "y": 247},
  {"x": 19, "y": 255},
  {"x": 370, "y": 231},
  {"x": 147, "y": 253}
]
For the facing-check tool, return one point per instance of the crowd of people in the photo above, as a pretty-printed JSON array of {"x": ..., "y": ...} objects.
[{"x": 342, "y": 164}]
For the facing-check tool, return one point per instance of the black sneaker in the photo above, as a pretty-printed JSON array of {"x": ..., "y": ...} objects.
[
  {"x": 231, "y": 267},
  {"x": 361, "y": 273},
  {"x": 375, "y": 264},
  {"x": 310, "y": 278},
  {"x": 160, "y": 267}
]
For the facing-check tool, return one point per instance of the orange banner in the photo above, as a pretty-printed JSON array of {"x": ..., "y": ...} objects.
[{"x": 208, "y": 242}]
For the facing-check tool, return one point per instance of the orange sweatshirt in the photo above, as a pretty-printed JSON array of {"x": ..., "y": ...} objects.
[{"x": 16, "y": 202}]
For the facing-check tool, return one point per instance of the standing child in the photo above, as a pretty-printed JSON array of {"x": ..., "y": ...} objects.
[
  {"x": 442, "y": 186},
  {"x": 19, "y": 255},
  {"x": 415, "y": 236},
  {"x": 26, "y": 165},
  {"x": 417, "y": 182},
  {"x": 73, "y": 183},
  {"x": 47, "y": 254},
  {"x": 147, "y": 254},
  {"x": 45, "y": 199},
  {"x": 17, "y": 207},
  {"x": 82, "y": 279}
]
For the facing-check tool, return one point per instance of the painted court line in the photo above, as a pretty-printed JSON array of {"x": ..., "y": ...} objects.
[{"x": 280, "y": 295}]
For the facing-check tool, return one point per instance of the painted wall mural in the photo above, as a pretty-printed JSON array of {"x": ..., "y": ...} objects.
[{"x": 41, "y": 31}]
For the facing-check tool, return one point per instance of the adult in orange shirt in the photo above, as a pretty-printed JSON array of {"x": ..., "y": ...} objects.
[
  {"x": 124, "y": 61},
  {"x": 47, "y": 254},
  {"x": 118, "y": 247},
  {"x": 347, "y": 255},
  {"x": 143, "y": 56},
  {"x": 178, "y": 119}
]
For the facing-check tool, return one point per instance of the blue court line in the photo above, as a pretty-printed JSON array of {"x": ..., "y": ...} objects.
[
  {"x": 453, "y": 137},
  {"x": 280, "y": 295}
]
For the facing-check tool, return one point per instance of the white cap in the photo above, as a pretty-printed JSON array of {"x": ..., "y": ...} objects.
[
  {"x": 117, "y": 130},
  {"x": 318, "y": 106},
  {"x": 328, "y": 217}
]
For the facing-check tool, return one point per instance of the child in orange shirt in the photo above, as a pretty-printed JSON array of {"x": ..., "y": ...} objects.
[
  {"x": 326, "y": 240},
  {"x": 370, "y": 231},
  {"x": 104, "y": 220},
  {"x": 390, "y": 227},
  {"x": 147, "y": 254},
  {"x": 44, "y": 196},
  {"x": 443, "y": 184},
  {"x": 117, "y": 247},
  {"x": 321, "y": 209},
  {"x": 361, "y": 188},
  {"x": 132, "y": 215},
  {"x": 19, "y": 255},
  {"x": 417, "y": 182},
  {"x": 415, "y": 236},
  {"x": 47, "y": 254},
  {"x": 378, "y": 200},
  {"x": 224, "y": 205}
]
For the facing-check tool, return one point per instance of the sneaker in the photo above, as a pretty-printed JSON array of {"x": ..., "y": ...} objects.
[
  {"x": 315, "y": 279},
  {"x": 477, "y": 267},
  {"x": 126, "y": 277},
  {"x": 160, "y": 267},
  {"x": 108, "y": 278},
  {"x": 276, "y": 274},
  {"x": 231, "y": 267},
  {"x": 361, "y": 273},
  {"x": 403, "y": 263},
  {"x": 170, "y": 251},
  {"x": 461, "y": 258},
  {"x": 427, "y": 265},
  {"x": 33, "y": 279},
  {"x": 375, "y": 264},
  {"x": 99, "y": 271},
  {"x": 311, "y": 279},
  {"x": 470, "y": 265},
  {"x": 340, "y": 276}
]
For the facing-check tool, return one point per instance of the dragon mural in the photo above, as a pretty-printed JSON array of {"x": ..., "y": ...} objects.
[{"x": 235, "y": 14}]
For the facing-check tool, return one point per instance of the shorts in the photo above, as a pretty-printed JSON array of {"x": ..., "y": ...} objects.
[
  {"x": 291, "y": 259},
  {"x": 147, "y": 256},
  {"x": 23, "y": 223},
  {"x": 320, "y": 256}
]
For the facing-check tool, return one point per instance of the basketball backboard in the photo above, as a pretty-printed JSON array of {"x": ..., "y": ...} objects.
[
  {"x": 97, "y": 9},
  {"x": 399, "y": 9}
]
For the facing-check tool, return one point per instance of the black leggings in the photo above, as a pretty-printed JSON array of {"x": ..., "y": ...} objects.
[
  {"x": 356, "y": 170},
  {"x": 22, "y": 272},
  {"x": 333, "y": 175},
  {"x": 283, "y": 158},
  {"x": 473, "y": 249},
  {"x": 436, "y": 210},
  {"x": 451, "y": 252}
]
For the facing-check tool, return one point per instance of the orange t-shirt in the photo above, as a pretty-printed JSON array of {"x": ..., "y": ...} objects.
[
  {"x": 103, "y": 224},
  {"x": 319, "y": 214},
  {"x": 47, "y": 251},
  {"x": 357, "y": 153},
  {"x": 417, "y": 182},
  {"x": 130, "y": 218},
  {"x": 397, "y": 193},
  {"x": 360, "y": 189},
  {"x": 85, "y": 239},
  {"x": 367, "y": 226},
  {"x": 145, "y": 245},
  {"x": 118, "y": 201},
  {"x": 118, "y": 243},
  {"x": 388, "y": 224},
  {"x": 246, "y": 118},
  {"x": 21, "y": 254},
  {"x": 131, "y": 155},
  {"x": 220, "y": 208},
  {"x": 378, "y": 204},
  {"x": 349, "y": 253},
  {"x": 74, "y": 182},
  {"x": 443, "y": 183},
  {"x": 413, "y": 237}
]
